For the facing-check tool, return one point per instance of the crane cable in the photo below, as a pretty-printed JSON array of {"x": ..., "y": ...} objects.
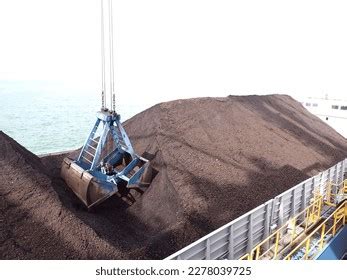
[
  {"x": 103, "y": 93},
  {"x": 112, "y": 94}
]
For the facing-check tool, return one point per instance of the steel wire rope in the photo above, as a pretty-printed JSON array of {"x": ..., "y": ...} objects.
[
  {"x": 112, "y": 94},
  {"x": 103, "y": 78}
]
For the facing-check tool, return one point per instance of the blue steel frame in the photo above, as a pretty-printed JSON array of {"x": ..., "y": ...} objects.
[{"x": 111, "y": 124}]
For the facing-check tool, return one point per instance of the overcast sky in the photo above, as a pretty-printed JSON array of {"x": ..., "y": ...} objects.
[{"x": 180, "y": 48}]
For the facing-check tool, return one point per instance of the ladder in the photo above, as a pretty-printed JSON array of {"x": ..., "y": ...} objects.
[{"x": 89, "y": 149}]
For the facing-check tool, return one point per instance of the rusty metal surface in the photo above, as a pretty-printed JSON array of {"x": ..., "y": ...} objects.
[{"x": 84, "y": 185}]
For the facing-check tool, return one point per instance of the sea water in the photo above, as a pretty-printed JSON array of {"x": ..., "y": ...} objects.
[{"x": 48, "y": 118}]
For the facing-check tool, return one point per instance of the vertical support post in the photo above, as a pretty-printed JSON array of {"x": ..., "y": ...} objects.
[
  {"x": 328, "y": 192},
  {"x": 320, "y": 202},
  {"x": 307, "y": 248},
  {"x": 307, "y": 218},
  {"x": 334, "y": 225},
  {"x": 303, "y": 202},
  {"x": 321, "y": 185},
  {"x": 267, "y": 225},
  {"x": 276, "y": 244},
  {"x": 257, "y": 253},
  {"x": 340, "y": 178},
  {"x": 321, "y": 242},
  {"x": 208, "y": 249},
  {"x": 293, "y": 210},
  {"x": 281, "y": 213},
  {"x": 327, "y": 197},
  {"x": 303, "y": 205},
  {"x": 272, "y": 216},
  {"x": 293, "y": 231},
  {"x": 313, "y": 186},
  {"x": 335, "y": 187},
  {"x": 250, "y": 233},
  {"x": 231, "y": 243}
]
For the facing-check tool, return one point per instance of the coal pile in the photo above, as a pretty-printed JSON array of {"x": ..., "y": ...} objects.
[{"x": 216, "y": 158}]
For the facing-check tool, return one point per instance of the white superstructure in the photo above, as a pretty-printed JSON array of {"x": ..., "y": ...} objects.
[{"x": 332, "y": 111}]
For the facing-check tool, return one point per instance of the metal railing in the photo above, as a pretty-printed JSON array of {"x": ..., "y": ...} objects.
[
  {"x": 238, "y": 237},
  {"x": 284, "y": 237},
  {"x": 313, "y": 243},
  {"x": 291, "y": 241}
]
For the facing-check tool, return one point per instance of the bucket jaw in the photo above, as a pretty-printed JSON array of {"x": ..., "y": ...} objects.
[
  {"x": 86, "y": 187},
  {"x": 106, "y": 165}
]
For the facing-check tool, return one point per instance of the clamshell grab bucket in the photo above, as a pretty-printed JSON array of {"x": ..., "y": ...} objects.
[
  {"x": 107, "y": 164},
  {"x": 89, "y": 190}
]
